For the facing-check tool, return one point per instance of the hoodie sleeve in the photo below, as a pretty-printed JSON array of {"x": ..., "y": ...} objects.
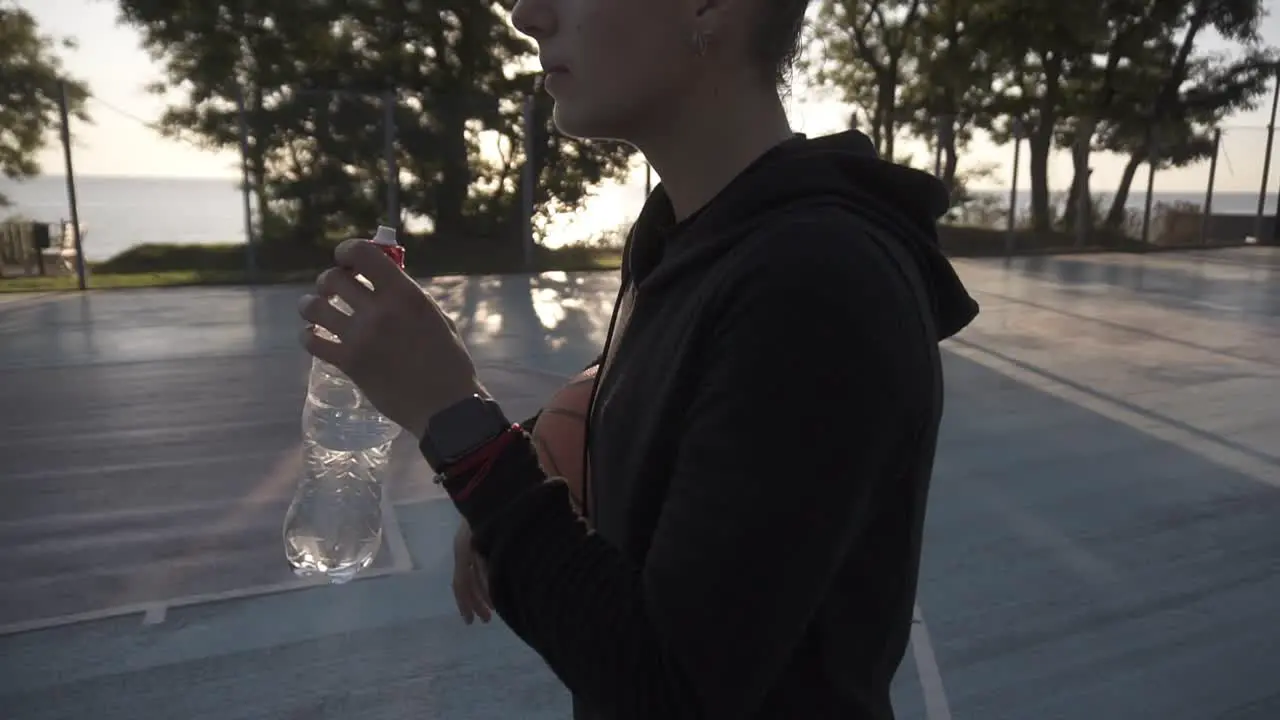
[{"x": 815, "y": 344}]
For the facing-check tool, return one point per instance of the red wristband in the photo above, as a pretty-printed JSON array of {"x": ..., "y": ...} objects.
[{"x": 475, "y": 466}]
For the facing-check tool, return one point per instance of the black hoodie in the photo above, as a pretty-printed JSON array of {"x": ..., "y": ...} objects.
[{"x": 761, "y": 442}]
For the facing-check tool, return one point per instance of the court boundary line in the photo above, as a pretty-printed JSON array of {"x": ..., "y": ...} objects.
[
  {"x": 155, "y": 612},
  {"x": 27, "y": 299},
  {"x": 1249, "y": 464},
  {"x": 934, "y": 693}
]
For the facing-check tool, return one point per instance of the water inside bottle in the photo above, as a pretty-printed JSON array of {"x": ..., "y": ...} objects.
[{"x": 334, "y": 525}]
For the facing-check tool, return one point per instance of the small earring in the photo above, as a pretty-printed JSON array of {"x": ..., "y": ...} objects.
[{"x": 699, "y": 43}]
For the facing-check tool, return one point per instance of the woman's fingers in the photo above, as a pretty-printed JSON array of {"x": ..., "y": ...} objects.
[
  {"x": 470, "y": 593},
  {"x": 318, "y": 310},
  {"x": 463, "y": 592},
  {"x": 483, "y": 608},
  {"x": 337, "y": 282},
  {"x": 462, "y": 596},
  {"x": 470, "y": 579}
]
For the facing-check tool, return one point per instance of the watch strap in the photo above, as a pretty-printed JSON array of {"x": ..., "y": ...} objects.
[
  {"x": 460, "y": 429},
  {"x": 475, "y": 464}
]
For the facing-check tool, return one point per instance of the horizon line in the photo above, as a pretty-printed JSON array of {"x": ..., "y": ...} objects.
[{"x": 234, "y": 180}]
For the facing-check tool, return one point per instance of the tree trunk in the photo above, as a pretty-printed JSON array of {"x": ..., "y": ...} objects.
[
  {"x": 1039, "y": 145},
  {"x": 1069, "y": 212},
  {"x": 950, "y": 156},
  {"x": 1078, "y": 215},
  {"x": 1119, "y": 205},
  {"x": 258, "y": 161},
  {"x": 455, "y": 179},
  {"x": 888, "y": 101},
  {"x": 877, "y": 128}
]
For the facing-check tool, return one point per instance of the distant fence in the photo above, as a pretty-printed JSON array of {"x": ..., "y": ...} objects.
[
  {"x": 1235, "y": 204},
  {"x": 30, "y": 248}
]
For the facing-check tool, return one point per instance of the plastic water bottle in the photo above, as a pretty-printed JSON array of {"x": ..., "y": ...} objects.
[{"x": 334, "y": 524}]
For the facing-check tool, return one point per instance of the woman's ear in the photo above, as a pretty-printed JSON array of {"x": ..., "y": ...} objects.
[
  {"x": 719, "y": 22},
  {"x": 710, "y": 16}
]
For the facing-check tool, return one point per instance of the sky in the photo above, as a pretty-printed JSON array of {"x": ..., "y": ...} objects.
[{"x": 119, "y": 142}]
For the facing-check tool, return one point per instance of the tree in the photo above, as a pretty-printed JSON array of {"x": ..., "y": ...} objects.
[
  {"x": 951, "y": 85},
  {"x": 945, "y": 70},
  {"x": 1116, "y": 75},
  {"x": 1041, "y": 44},
  {"x": 29, "y": 92},
  {"x": 866, "y": 53},
  {"x": 1176, "y": 96},
  {"x": 316, "y": 76},
  {"x": 1119, "y": 35},
  {"x": 566, "y": 169}
]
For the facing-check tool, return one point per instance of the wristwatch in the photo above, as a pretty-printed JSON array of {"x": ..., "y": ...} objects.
[{"x": 460, "y": 429}]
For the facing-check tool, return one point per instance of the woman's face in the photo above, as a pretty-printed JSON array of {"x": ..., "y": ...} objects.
[{"x": 614, "y": 67}]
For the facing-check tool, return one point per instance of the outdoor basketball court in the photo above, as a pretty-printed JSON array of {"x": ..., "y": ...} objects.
[{"x": 1103, "y": 538}]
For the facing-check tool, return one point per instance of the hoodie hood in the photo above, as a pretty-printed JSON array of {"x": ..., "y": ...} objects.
[{"x": 903, "y": 203}]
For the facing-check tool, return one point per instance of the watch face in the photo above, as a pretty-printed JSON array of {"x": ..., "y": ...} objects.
[{"x": 465, "y": 426}]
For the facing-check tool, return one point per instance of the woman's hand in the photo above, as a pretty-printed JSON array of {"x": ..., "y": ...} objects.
[
  {"x": 397, "y": 345},
  {"x": 470, "y": 579}
]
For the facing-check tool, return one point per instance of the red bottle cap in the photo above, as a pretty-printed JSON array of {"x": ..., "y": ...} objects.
[{"x": 385, "y": 238}]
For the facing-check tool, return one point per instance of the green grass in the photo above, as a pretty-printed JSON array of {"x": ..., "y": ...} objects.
[{"x": 151, "y": 266}]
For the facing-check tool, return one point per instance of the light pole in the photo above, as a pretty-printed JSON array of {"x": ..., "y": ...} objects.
[
  {"x": 1266, "y": 157},
  {"x": 1013, "y": 186}
]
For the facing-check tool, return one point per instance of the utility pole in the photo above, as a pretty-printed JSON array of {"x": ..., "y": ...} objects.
[
  {"x": 65, "y": 116},
  {"x": 937, "y": 147},
  {"x": 1152, "y": 159},
  {"x": 1206, "y": 217},
  {"x": 242, "y": 114},
  {"x": 389, "y": 151},
  {"x": 529, "y": 179},
  {"x": 1266, "y": 157},
  {"x": 1013, "y": 187},
  {"x": 946, "y": 142}
]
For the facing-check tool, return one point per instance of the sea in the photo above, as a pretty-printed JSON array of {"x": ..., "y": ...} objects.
[{"x": 117, "y": 213}]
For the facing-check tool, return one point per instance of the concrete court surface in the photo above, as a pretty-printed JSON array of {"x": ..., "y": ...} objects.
[{"x": 1103, "y": 539}]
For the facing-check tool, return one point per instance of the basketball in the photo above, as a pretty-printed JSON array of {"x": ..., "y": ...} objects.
[{"x": 561, "y": 431}]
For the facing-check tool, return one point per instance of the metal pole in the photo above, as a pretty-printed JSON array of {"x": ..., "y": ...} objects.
[
  {"x": 250, "y": 261},
  {"x": 1013, "y": 188},
  {"x": 1151, "y": 181},
  {"x": 1206, "y": 216},
  {"x": 64, "y": 116},
  {"x": 937, "y": 147},
  {"x": 529, "y": 180},
  {"x": 946, "y": 138},
  {"x": 389, "y": 150},
  {"x": 1266, "y": 160}
]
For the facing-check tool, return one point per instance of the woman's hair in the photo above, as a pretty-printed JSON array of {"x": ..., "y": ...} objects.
[{"x": 777, "y": 36}]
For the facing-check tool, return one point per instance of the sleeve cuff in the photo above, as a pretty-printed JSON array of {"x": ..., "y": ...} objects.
[{"x": 514, "y": 471}]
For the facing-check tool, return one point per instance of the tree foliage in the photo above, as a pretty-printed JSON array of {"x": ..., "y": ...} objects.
[
  {"x": 866, "y": 51},
  {"x": 319, "y": 80},
  {"x": 30, "y": 70},
  {"x": 1121, "y": 76}
]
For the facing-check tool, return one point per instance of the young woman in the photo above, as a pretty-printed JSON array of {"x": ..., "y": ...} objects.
[{"x": 764, "y": 421}]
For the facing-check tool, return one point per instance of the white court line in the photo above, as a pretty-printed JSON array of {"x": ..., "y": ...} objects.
[
  {"x": 156, "y": 612},
  {"x": 936, "y": 706},
  {"x": 16, "y": 300},
  {"x": 1216, "y": 452},
  {"x": 401, "y": 559},
  {"x": 153, "y": 607}
]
